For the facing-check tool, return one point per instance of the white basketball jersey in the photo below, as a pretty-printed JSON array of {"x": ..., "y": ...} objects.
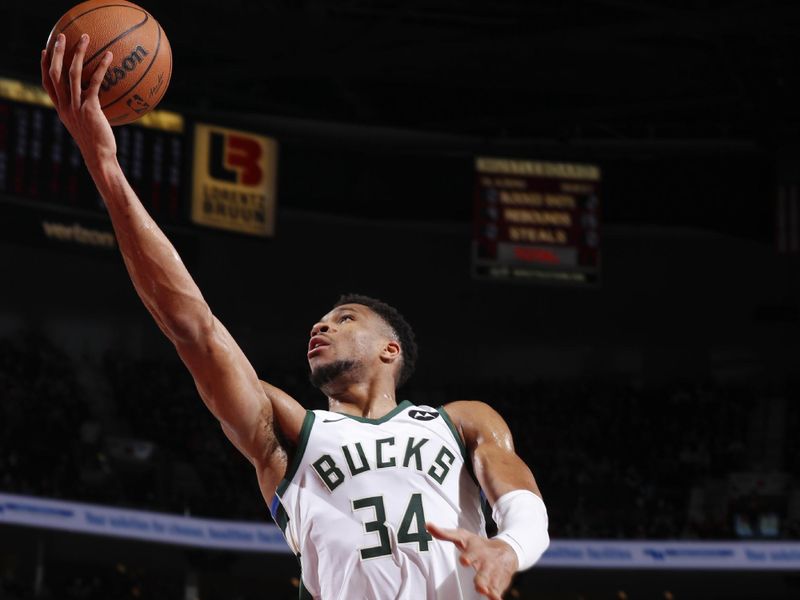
[{"x": 357, "y": 495}]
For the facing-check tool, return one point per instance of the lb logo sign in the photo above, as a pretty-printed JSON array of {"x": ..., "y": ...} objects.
[{"x": 234, "y": 180}]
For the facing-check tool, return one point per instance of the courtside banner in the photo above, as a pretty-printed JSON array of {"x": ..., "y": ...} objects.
[
  {"x": 234, "y": 180},
  {"x": 141, "y": 525},
  {"x": 644, "y": 554},
  {"x": 257, "y": 537}
]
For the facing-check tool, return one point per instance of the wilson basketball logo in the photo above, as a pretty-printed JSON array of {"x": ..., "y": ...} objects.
[
  {"x": 116, "y": 74},
  {"x": 235, "y": 158}
]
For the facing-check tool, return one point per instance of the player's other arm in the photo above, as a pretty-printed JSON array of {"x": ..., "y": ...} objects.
[
  {"x": 497, "y": 466},
  {"x": 511, "y": 489},
  {"x": 224, "y": 377}
]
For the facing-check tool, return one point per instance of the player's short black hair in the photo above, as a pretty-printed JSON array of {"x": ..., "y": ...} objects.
[{"x": 398, "y": 323}]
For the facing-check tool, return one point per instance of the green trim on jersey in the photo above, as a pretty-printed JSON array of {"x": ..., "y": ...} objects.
[
  {"x": 461, "y": 445},
  {"x": 392, "y": 413},
  {"x": 281, "y": 518},
  {"x": 455, "y": 433},
  {"x": 302, "y": 442},
  {"x": 304, "y": 593}
]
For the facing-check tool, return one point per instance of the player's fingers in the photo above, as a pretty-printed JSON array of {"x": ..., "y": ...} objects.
[
  {"x": 76, "y": 72},
  {"x": 56, "y": 64},
  {"x": 457, "y": 536},
  {"x": 494, "y": 587},
  {"x": 98, "y": 75},
  {"x": 47, "y": 84},
  {"x": 482, "y": 586},
  {"x": 491, "y": 593}
]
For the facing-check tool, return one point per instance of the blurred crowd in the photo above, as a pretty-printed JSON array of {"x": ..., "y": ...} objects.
[
  {"x": 613, "y": 460},
  {"x": 619, "y": 462},
  {"x": 90, "y": 582},
  {"x": 41, "y": 413}
]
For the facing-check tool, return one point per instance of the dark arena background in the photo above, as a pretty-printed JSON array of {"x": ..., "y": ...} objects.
[{"x": 588, "y": 210}]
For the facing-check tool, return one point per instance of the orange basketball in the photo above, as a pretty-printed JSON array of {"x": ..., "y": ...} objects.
[{"x": 142, "y": 65}]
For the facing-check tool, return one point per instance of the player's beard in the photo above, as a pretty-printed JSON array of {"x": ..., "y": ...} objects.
[{"x": 322, "y": 376}]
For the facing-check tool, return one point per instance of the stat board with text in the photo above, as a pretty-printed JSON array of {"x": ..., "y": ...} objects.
[{"x": 536, "y": 221}]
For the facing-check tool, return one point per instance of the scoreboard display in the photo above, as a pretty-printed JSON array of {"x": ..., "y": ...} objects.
[
  {"x": 536, "y": 221},
  {"x": 188, "y": 176},
  {"x": 45, "y": 187}
]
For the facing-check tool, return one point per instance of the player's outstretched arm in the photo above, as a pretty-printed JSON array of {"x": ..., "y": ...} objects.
[
  {"x": 511, "y": 489},
  {"x": 225, "y": 378}
]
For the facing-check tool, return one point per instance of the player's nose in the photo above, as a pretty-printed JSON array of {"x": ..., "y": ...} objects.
[{"x": 319, "y": 328}]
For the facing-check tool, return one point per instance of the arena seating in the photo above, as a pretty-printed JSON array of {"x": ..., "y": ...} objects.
[{"x": 613, "y": 460}]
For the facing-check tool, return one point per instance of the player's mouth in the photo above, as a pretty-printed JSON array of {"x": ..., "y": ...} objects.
[{"x": 316, "y": 344}]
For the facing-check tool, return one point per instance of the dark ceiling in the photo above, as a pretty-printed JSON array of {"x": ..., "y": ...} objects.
[{"x": 552, "y": 69}]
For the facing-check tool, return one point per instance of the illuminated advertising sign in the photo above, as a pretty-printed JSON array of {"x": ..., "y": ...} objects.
[{"x": 234, "y": 180}]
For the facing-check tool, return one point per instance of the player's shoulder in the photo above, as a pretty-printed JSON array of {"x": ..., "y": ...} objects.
[
  {"x": 468, "y": 408},
  {"x": 472, "y": 414}
]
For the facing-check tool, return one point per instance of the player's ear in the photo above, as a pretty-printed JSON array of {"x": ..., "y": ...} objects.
[{"x": 391, "y": 351}]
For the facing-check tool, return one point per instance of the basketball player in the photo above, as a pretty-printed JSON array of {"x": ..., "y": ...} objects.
[{"x": 379, "y": 500}]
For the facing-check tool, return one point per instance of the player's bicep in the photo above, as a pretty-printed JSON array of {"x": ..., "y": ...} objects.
[
  {"x": 234, "y": 439},
  {"x": 497, "y": 466},
  {"x": 500, "y": 471},
  {"x": 228, "y": 384}
]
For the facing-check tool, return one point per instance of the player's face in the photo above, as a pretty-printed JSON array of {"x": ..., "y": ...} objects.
[{"x": 349, "y": 337}]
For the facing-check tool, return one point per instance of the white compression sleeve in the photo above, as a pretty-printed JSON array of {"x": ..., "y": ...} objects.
[{"x": 521, "y": 519}]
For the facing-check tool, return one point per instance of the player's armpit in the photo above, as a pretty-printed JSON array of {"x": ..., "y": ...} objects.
[
  {"x": 497, "y": 466},
  {"x": 288, "y": 414}
]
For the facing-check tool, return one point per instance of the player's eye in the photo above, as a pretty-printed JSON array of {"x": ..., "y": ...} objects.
[{"x": 344, "y": 317}]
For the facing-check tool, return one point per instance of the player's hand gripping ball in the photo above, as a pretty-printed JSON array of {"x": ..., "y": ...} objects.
[{"x": 140, "y": 70}]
